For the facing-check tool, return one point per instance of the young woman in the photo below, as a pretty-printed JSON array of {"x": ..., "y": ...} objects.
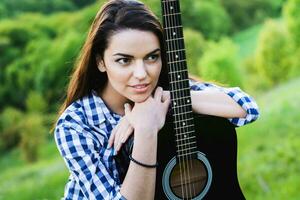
[{"x": 120, "y": 86}]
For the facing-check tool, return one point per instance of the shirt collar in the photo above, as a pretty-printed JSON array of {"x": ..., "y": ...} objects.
[{"x": 96, "y": 110}]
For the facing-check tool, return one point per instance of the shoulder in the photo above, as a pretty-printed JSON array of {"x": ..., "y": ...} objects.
[{"x": 86, "y": 111}]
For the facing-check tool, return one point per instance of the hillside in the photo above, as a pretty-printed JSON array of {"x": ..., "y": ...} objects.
[{"x": 268, "y": 148}]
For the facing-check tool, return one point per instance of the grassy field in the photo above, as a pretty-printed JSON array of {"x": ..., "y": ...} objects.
[
  {"x": 268, "y": 149},
  {"x": 268, "y": 161}
]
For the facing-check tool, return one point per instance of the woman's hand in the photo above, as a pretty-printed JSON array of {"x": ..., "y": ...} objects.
[
  {"x": 150, "y": 114},
  {"x": 120, "y": 134}
]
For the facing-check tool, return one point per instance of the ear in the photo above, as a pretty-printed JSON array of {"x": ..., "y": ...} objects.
[{"x": 101, "y": 65}]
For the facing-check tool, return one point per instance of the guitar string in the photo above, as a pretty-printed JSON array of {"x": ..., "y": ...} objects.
[
  {"x": 178, "y": 136},
  {"x": 181, "y": 66},
  {"x": 165, "y": 7},
  {"x": 185, "y": 162},
  {"x": 184, "y": 109}
]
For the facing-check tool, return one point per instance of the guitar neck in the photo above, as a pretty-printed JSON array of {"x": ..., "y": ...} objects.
[{"x": 178, "y": 73}]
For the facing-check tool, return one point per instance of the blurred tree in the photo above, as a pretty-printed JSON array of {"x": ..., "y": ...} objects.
[
  {"x": 10, "y": 125},
  {"x": 33, "y": 134},
  {"x": 206, "y": 16},
  {"x": 272, "y": 57},
  {"x": 247, "y": 13},
  {"x": 219, "y": 63},
  {"x": 291, "y": 13},
  {"x": 195, "y": 46}
]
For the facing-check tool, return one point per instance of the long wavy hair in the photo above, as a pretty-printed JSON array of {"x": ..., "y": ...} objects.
[{"x": 113, "y": 16}]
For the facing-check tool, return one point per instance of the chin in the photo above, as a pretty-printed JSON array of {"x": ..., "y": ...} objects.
[{"x": 140, "y": 98}]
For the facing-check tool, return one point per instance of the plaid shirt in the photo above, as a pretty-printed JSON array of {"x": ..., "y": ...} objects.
[{"x": 82, "y": 134}]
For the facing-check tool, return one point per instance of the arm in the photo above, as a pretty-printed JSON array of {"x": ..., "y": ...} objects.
[
  {"x": 139, "y": 182},
  {"x": 231, "y": 103},
  {"x": 85, "y": 156}
]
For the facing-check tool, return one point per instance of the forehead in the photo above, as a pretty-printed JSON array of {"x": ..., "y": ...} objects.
[{"x": 133, "y": 42}]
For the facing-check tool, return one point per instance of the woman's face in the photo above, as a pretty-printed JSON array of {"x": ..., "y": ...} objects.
[{"x": 132, "y": 62}]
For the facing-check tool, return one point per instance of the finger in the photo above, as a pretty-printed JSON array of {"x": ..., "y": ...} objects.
[
  {"x": 112, "y": 136},
  {"x": 158, "y": 93},
  {"x": 166, "y": 95},
  {"x": 127, "y": 108},
  {"x": 124, "y": 137}
]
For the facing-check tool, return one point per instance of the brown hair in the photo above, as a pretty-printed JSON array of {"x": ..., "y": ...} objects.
[{"x": 114, "y": 15}]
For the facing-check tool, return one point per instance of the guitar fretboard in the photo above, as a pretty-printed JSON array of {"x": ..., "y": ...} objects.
[{"x": 179, "y": 80}]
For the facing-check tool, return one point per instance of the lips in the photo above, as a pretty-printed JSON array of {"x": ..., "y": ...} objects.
[{"x": 140, "y": 88}]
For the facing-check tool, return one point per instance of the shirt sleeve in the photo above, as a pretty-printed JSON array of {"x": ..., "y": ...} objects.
[
  {"x": 243, "y": 99},
  {"x": 82, "y": 157}
]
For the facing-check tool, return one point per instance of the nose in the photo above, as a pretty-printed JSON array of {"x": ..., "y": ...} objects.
[{"x": 139, "y": 71}]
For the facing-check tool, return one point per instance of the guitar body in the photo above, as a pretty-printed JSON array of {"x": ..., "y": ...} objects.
[{"x": 216, "y": 138}]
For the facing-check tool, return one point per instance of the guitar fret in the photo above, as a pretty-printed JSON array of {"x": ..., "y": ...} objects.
[
  {"x": 173, "y": 14},
  {"x": 183, "y": 120},
  {"x": 177, "y": 50},
  {"x": 170, "y": 27},
  {"x": 185, "y": 150},
  {"x": 179, "y": 98},
  {"x": 177, "y": 107},
  {"x": 183, "y": 70},
  {"x": 181, "y": 89},
  {"x": 185, "y": 144},
  {"x": 178, "y": 61},
  {"x": 186, "y": 154},
  {"x": 178, "y": 81},
  {"x": 187, "y": 138},
  {"x": 183, "y": 113},
  {"x": 185, "y": 133},
  {"x": 187, "y": 126},
  {"x": 169, "y": 40}
]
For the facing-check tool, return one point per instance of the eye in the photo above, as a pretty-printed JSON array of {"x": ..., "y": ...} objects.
[
  {"x": 153, "y": 57},
  {"x": 123, "y": 61}
]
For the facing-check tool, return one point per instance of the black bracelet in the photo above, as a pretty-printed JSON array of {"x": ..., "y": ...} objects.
[{"x": 142, "y": 164}]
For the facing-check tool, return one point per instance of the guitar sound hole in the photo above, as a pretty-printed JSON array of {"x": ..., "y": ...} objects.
[{"x": 188, "y": 178}]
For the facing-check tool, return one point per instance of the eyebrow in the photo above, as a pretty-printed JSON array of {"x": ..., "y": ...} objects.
[{"x": 130, "y": 56}]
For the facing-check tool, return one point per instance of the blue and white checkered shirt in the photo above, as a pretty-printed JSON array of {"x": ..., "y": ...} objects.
[{"x": 82, "y": 134}]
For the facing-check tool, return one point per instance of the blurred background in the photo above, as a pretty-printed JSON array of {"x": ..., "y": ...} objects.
[{"x": 251, "y": 44}]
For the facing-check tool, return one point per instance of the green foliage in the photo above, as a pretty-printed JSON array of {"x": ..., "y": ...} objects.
[
  {"x": 247, "y": 13},
  {"x": 35, "y": 103},
  {"x": 195, "y": 46},
  {"x": 272, "y": 57},
  {"x": 208, "y": 17},
  {"x": 11, "y": 8},
  {"x": 219, "y": 63},
  {"x": 33, "y": 134},
  {"x": 291, "y": 14},
  {"x": 10, "y": 120}
]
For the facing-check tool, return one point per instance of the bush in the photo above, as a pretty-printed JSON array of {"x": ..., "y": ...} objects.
[
  {"x": 209, "y": 17},
  {"x": 194, "y": 45},
  {"x": 219, "y": 63},
  {"x": 247, "y": 13},
  {"x": 272, "y": 57},
  {"x": 33, "y": 133},
  {"x": 10, "y": 120}
]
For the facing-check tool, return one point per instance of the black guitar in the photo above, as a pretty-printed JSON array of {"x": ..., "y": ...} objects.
[{"x": 197, "y": 154}]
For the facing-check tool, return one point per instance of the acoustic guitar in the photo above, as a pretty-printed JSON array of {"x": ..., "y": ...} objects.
[{"x": 197, "y": 154}]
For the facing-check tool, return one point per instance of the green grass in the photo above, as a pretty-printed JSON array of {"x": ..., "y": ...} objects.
[
  {"x": 268, "y": 158},
  {"x": 39, "y": 181}
]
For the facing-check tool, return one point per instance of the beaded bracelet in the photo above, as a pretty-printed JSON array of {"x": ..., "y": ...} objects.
[{"x": 142, "y": 164}]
